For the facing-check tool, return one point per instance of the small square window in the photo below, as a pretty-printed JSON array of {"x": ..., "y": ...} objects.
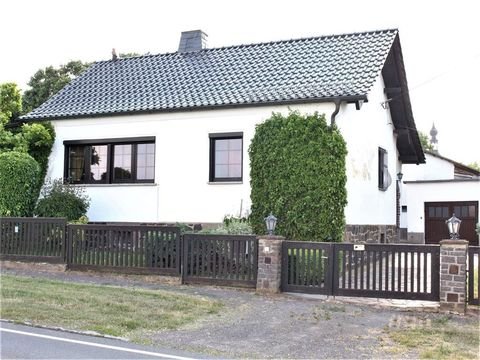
[{"x": 226, "y": 157}]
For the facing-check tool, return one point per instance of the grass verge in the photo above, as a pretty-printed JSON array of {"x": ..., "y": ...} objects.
[
  {"x": 442, "y": 338},
  {"x": 127, "y": 312}
]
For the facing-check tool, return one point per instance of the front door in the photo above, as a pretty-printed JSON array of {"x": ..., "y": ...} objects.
[{"x": 436, "y": 213}]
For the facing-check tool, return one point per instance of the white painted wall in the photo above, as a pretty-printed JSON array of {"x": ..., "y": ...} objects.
[
  {"x": 433, "y": 169},
  {"x": 181, "y": 191},
  {"x": 419, "y": 193},
  {"x": 365, "y": 131}
]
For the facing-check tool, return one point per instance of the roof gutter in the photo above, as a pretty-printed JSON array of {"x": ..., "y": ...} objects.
[{"x": 348, "y": 99}]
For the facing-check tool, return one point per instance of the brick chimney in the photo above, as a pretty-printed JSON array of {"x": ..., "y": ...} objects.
[{"x": 193, "y": 40}]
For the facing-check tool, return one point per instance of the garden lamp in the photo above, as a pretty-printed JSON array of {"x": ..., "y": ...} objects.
[
  {"x": 271, "y": 222},
  {"x": 453, "y": 226}
]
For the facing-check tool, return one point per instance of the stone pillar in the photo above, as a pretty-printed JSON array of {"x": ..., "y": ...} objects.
[
  {"x": 453, "y": 275},
  {"x": 269, "y": 275}
]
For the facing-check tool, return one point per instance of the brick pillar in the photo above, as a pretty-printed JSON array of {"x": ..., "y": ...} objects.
[
  {"x": 453, "y": 276},
  {"x": 269, "y": 274}
]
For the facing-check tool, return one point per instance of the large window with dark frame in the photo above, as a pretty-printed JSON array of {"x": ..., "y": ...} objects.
[
  {"x": 110, "y": 161},
  {"x": 226, "y": 157}
]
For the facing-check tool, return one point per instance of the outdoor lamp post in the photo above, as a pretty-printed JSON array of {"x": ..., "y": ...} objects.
[
  {"x": 271, "y": 222},
  {"x": 453, "y": 227}
]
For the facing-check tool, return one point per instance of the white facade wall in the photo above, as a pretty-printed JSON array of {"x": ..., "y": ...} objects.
[
  {"x": 182, "y": 191},
  {"x": 365, "y": 131},
  {"x": 420, "y": 193},
  {"x": 433, "y": 169}
]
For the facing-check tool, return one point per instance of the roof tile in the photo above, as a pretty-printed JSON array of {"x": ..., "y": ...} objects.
[{"x": 293, "y": 70}]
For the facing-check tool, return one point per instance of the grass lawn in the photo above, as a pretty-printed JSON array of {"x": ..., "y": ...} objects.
[
  {"x": 127, "y": 312},
  {"x": 442, "y": 338}
]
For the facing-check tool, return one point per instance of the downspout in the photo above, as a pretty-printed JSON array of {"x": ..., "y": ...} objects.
[{"x": 335, "y": 112}]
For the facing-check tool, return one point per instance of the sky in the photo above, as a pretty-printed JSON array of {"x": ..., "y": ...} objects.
[{"x": 440, "y": 43}]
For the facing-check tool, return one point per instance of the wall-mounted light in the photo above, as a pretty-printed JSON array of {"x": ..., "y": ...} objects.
[{"x": 399, "y": 176}]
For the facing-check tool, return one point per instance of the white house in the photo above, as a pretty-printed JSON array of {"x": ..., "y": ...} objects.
[
  {"x": 164, "y": 138},
  {"x": 431, "y": 193}
]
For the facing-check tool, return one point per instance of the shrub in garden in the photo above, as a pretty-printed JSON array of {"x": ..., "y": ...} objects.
[
  {"x": 19, "y": 183},
  {"x": 62, "y": 200},
  {"x": 231, "y": 226},
  {"x": 297, "y": 172}
]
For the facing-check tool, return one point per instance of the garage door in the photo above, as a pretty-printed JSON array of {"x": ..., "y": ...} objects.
[{"x": 437, "y": 212}]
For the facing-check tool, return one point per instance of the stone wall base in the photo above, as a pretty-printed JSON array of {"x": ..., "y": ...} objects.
[
  {"x": 372, "y": 234},
  {"x": 415, "y": 238}
]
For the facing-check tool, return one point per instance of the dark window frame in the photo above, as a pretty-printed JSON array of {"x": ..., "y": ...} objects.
[
  {"x": 224, "y": 136},
  {"x": 110, "y": 174},
  {"x": 382, "y": 169}
]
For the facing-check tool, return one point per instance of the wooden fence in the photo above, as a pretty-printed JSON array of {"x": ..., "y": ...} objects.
[
  {"x": 305, "y": 267},
  {"x": 36, "y": 239},
  {"x": 125, "y": 248},
  {"x": 220, "y": 259}
]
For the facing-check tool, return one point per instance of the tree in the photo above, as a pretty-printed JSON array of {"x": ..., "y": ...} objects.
[
  {"x": 47, "y": 82},
  {"x": 474, "y": 165},
  {"x": 426, "y": 145},
  {"x": 10, "y": 102}
]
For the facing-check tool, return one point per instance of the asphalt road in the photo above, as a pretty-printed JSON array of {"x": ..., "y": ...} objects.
[{"x": 24, "y": 342}]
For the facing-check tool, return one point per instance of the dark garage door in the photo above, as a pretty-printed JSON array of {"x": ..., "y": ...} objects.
[{"x": 437, "y": 212}]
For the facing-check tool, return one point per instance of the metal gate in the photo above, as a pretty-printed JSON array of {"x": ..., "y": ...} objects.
[{"x": 365, "y": 270}]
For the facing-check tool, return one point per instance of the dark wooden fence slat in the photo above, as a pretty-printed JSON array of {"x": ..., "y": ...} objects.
[
  {"x": 412, "y": 272},
  {"x": 27, "y": 237}
]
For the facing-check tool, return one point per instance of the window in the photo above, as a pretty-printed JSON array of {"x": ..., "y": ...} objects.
[
  {"x": 226, "y": 157},
  {"x": 384, "y": 178},
  {"x": 110, "y": 161}
]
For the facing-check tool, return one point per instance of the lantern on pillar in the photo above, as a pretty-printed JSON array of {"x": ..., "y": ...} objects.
[
  {"x": 453, "y": 225},
  {"x": 271, "y": 222}
]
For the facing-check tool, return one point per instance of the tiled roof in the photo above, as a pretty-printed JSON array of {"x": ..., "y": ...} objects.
[{"x": 283, "y": 71}]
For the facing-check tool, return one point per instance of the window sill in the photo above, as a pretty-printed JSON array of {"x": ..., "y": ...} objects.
[
  {"x": 225, "y": 182},
  {"x": 115, "y": 185}
]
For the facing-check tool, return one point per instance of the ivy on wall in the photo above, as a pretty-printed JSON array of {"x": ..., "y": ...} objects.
[{"x": 297, "y": 171}]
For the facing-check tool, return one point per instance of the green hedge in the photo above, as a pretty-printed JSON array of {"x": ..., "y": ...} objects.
[
  {"x": 297, "y": 171},
  {"x": 19, "y": 183}
]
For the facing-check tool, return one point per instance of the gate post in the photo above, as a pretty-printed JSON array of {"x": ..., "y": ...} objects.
[
  {"x": 453, "y": 276},
  {"x": 269, "y": 274}
]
